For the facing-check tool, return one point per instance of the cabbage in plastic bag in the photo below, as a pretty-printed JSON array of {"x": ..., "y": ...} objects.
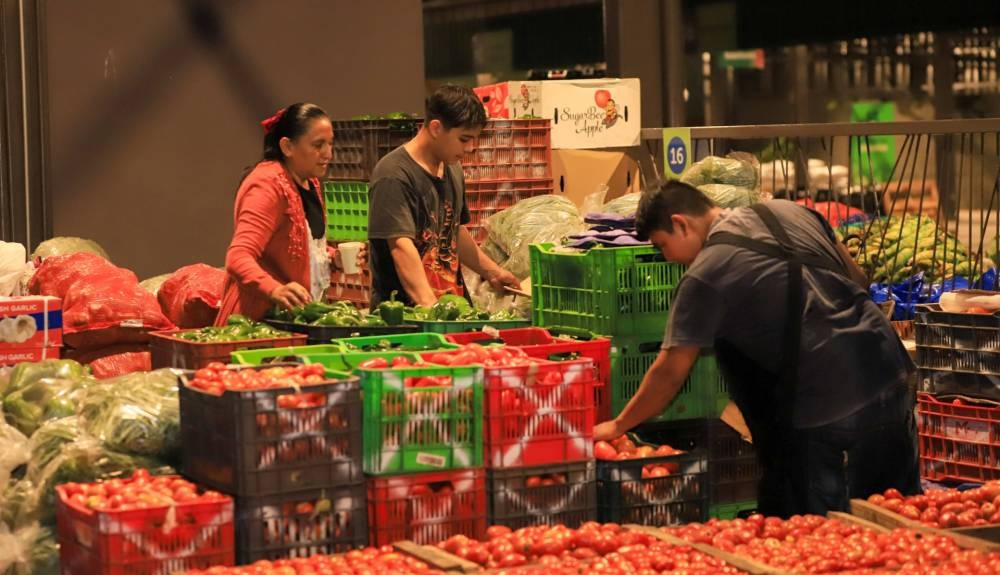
[
  {"x": 726, "y": 196},
  {"x": 547, "y": 218},
  {"x": 14, "y": 453},
  {"x": 153, "y": 284},
  {"x": 735, "y": 170},
  {"x": 29, "y": 550},
  {"x": 623, "y": 206},
  {"x": 136, "y": 413},
  {"x": 43, "y": 399},
  {"x": 68, "y": 245}
]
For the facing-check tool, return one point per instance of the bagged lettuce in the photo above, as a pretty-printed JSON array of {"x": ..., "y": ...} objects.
[
  {"x": 739, "y": 170},
  {"x": 60, "y": 246},
  {"x": 15, "y": 452},
  {"x": 547, "y": 218},
  {"x": 625, "y": 205},
  {"x": 137, "y": 413},
  {"x": 727, "y": 196}
]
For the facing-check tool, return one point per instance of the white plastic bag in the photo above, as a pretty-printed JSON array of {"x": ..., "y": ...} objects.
[{"x": 13, "y": 259}]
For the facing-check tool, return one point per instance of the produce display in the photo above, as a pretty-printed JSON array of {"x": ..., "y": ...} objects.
[
  {"x": 893, "y": 249},
  {"x": 454, "y": 308},
  {"x": 367, "y": 561},
  {"x": 336, "y": 314},
  {"x": 138, "y": 491},
  {"x": 593, "y": 548},
  {"x": 814, "y": 544},
  {"x": 237, "y": 328},
  {"x": 215, "y": 378},
  {"x": 946, "y": 508}
]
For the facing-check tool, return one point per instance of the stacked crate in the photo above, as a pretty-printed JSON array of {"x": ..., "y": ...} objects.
[
  {"x": 291, "y": 458},
  {"x": 423, "y": 453},
  {"x": 512, "y": 162},
  {"x": 958, "y": 418},
  {"x": 625, "y": 294}
]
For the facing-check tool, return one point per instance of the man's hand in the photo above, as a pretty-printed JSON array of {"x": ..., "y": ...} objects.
[
  {"x": 290, "y": 295},
  {"x": 501, "y": 278},
  {"x": 607, "y": 431}
]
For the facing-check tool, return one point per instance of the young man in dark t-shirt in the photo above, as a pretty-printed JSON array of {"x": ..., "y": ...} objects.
[
  {"x": 814, "y": 365},
  {"x": 417, "y": 211}
]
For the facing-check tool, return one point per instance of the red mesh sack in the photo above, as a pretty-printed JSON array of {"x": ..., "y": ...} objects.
[
  {"x": 95, "y": 294},
  {"x": 58, "y": 274},
  {"x": 190, "y": 297},
  {"x": 121, "y": 364}
]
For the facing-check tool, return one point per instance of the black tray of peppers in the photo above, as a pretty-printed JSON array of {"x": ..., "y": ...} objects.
[{"x": 322, "y": 322}]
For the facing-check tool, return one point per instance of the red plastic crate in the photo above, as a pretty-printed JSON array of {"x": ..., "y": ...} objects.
[
  {"x": 958, "y": 441},
  {"x": 501, "y": 194},
  {"x": 538, "y": 413},
  {"x": 511, "y": 149},
  {"x": 427, "y": 507},
  {"x": 167, "y": 350},
  {"x": 553, "y": 344},
  {"x": 158, "y": 541},
  {"x": 355, "y": 288}
]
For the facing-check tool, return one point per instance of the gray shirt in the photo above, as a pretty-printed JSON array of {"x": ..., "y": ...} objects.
[{"x": 848, "y": 353}]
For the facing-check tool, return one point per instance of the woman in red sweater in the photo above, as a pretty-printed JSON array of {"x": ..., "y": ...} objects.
[{"x": 278, "y": 254}]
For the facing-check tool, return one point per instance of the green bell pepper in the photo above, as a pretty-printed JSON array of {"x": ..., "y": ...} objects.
[{"x": 392, "y": 311}]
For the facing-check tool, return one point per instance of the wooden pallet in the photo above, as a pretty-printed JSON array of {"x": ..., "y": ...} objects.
[{"x": 985, "y": 538}]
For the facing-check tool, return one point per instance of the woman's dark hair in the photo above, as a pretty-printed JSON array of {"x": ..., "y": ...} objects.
[
  {"x": 294, "y": 122},
  {"x": 455, "y": 106},
  {"x": 658, "y": 204}
]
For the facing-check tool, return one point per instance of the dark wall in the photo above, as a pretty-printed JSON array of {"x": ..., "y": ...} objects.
[{"x": 153, "y": 108}]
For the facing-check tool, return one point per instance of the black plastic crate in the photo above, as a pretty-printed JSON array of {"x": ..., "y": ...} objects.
[
  {"x": 359, "y": 144},
  {"x": 627, "y": 495},
  {"x": 733, "y": 468},
  {"x": 521, "y": 497},
  {"x": 246, "y": 443},
  {"x": 320, "y": 334},
  {"x": 301, "y": 524},
  {"x": 946, "y": 382}
]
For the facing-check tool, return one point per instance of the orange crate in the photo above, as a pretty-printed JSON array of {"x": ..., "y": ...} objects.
[
  {"x": 157, "y": 541},
  {"x": 167, "y": 350}
]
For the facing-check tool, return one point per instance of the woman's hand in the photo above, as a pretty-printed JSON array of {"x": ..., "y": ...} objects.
[
  {"x": 290, "y": 295},
  {"x": 338, "y": 265}
]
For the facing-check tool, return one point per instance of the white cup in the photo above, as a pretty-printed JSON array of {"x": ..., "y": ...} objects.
[{"x": 349, "y": 256}]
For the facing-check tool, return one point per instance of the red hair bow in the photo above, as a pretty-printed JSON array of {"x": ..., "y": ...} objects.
[{"x": 269, "y": 123}]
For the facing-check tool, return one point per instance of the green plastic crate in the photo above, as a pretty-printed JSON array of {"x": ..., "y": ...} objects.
[
  {"x": 732, "y": 510},
  {"x": 704, "y": 393},
  {"x": 331, "y": 357},
  {"x": 415, "y": 342},
  {"x": 464, "y": 326},
  {"x": 410, "y": 428},
  {"x": 609, "y": 291},
  {"x": 346, "y": 210}
]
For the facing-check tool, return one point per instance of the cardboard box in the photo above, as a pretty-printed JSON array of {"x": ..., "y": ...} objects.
[
  {"x": 30, "y": 322},
  {"x": 578, "y": 173},
  {"x": 14, "y": 355},
  {"x": 585, "y": 114}
]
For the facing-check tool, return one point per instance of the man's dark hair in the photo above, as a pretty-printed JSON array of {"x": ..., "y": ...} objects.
[
  {"x": 658, "y": 204},
  {"x": 455, "y": 107}
]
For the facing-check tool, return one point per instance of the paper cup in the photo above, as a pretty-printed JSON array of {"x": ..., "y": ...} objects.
[{"x": 349, "y": 256}]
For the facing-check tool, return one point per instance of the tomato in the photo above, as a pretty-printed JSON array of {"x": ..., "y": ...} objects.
[
  {"x": 604, "y": 451},
  {"x": 375, "y": 363},
  {"x": 400, "y": 361},
  {"x": 893, "y": 493}
]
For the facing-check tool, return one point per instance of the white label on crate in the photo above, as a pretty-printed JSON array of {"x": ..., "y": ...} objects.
[
  {"x": 978, "y": 431},
  {"x": 431, "y": 459},
  {"x": 491, "y": 331}
]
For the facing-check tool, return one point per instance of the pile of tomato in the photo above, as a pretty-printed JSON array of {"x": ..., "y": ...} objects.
[
  {"x": 367, "y": 561},
  {"x": 623, "y": 448},
  {"x": 593, "y": 548},
  {"x": 814, "y": 544},
  {"x": 140, "y": 491},
  {"x": 215, "y": 378},
  {"x": 946, "y": 508}
]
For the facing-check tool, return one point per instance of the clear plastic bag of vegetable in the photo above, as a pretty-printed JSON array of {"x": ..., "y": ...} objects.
[
  {"x": 31, "y": 401},
  {"x": 136, "y": 413},
  {"x": 30, "y": 550},
  {"x": 548, "y": 218},
  {"x": 733, "y": 170},
  {"x": 14, "y": 453},
  {"x": 485, "y": 298},
  {"x": 24, "y": 374},
  {"x": 727, "y": 196},
  {"x": 47, "y": 442},
  {"x": 623, "y": 205},
  {"x": 18, "y": 504},
  {"x": 59, "y": 246}
]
